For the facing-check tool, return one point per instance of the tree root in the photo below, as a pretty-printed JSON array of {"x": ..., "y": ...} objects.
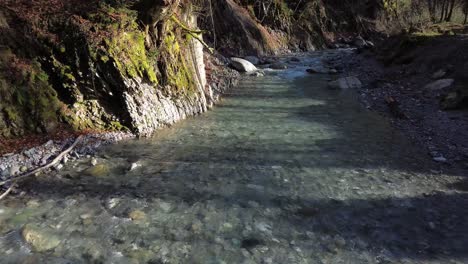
[{"x": 193, "y": 32}]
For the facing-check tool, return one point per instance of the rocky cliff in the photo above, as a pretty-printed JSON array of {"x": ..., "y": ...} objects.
[{"x": 97, "y": 66}]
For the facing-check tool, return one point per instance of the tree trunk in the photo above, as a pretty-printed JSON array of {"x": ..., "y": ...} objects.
[
  {"x": 442, "y": 11},
  {"x": 431, "y": 7},
  {"x": 450, "y": 11},
  {"x": 465, "y": 10}
]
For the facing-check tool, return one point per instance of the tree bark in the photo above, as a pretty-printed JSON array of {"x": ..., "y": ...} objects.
[{"x": 442, "y": 11}]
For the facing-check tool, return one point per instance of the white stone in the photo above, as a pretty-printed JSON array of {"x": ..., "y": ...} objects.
[
  {"x": 134, "y": 166},
  {"x": 242, "y": 65}
]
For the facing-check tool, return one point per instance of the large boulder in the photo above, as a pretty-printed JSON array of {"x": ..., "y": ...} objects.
[
  {"x": 242, "y": 65},
  {"x": 345, "y": 83},
  {"x": 439, "y": 84}
]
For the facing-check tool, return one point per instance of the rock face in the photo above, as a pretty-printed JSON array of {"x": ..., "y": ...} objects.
[
  {"x": 242, "y": 65},
  {"x": 40, "y": 239},
  {"x": 345, "y": 83},
  {"x": 133, "y": 82},
  {"x": 247, "y": 35}
]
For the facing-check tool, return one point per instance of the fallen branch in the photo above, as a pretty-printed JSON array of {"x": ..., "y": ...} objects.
[
  {"x": 56, "y": 160},
  {"x": 7, "y": 191}
]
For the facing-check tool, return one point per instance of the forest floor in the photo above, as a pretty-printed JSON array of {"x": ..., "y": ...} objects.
[{"x": 404, "y": 76}]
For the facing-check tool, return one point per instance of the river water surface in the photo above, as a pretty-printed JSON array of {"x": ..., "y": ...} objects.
[{"x": 283, "y": 170}]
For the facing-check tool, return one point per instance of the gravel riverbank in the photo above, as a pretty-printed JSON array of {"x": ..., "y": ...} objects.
[{"x": 15, "y": 164}]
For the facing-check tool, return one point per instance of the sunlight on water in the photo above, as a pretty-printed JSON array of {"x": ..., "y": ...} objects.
[{"x": 283, "y": 170}]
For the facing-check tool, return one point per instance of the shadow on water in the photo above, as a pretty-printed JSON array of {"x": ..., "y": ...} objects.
[
  {"x": 421, "y": 228},
  {"x": 245, "y": 149}
]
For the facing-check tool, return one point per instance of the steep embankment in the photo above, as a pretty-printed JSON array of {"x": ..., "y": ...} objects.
[
  {"x": 97, "y": 66},
  {"x": 249, "y": 27}
]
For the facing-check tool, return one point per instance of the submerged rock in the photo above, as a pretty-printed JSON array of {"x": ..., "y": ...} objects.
[
  {"x": 295, "y": 59},
  {"x": 279, "y": 66},
  {"x": 242, "y": 65},
  {"x": 321, "y": 70},
  {"x": 345, "y": 83},
  {"x": 99, "y": 170},
  {"x": 137, "y": 215},
  {"x": 40, "y": 239}
]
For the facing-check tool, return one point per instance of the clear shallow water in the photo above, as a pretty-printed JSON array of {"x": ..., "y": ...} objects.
[{"x": 282, "y": 171}]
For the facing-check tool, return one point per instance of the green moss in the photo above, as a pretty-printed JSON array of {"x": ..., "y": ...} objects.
[
  {"x": 125, "y": 44},
  {"x": 178, "y": 73},
  {"x": 64, "y": 71},
  {"x": 104, "y": 58},
  {"x": 115, "y": 125},
  {"x": 11, "y": 113},
  {"x": 31, "y": 101},
  {"x": 129, "y": 52}
]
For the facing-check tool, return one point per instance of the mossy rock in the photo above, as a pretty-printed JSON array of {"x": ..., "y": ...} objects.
[
  {"x": 40, "y": 239},
  {"x": 140, "y": 256},
  {"x": 137, "y": 215},
  {"x": 99, "y": 170}
]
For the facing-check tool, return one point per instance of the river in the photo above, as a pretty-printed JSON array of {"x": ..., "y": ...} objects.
[{"x": 283, "y": 170}]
